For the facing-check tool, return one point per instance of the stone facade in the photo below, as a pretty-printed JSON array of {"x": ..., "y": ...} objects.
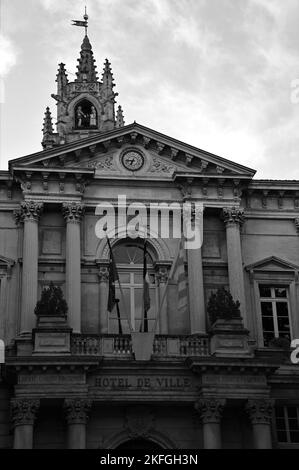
[{"x": 78, "y": 384}]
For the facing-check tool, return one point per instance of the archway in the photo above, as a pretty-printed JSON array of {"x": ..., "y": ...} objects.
[
  {"x": 136, "y": 444},
  {"x": 86, "y": 116}
]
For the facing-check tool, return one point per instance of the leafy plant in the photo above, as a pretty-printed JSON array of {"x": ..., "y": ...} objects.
[
  {"x": 52, "y": 302},
  {"x": 222, "y": 306}
]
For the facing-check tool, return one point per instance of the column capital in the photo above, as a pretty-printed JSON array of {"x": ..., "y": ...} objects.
[
  {"x": 297, "y": 224},
  {"x": 233, "y": 216},
  {"x": 76, "y": 410},
  {"x": 103, "y": 273},
  {"x": 28, "y": 211},
  {"x": 162, "y": 271},
  {"x": 260, "y": 411},
  {"x": 72, "y": 212},
  {"x": 210, "y": 409},
  {"x": 24, "y": 411}
]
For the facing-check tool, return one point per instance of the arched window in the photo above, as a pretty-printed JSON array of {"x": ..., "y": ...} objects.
[
  {"x": 128, "y": 257},
  {"x": 86, "y": 116}
]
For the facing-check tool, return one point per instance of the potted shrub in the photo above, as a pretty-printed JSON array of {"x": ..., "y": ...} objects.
[{"x": 228, "y": 335}]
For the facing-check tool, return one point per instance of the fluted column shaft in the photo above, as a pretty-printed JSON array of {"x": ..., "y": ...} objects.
[
  {"x": 76, "y": 413},
  {"x": 103, "y": 274},
  {"x": 195, "y": 274},
  {"x": 233, "y": 219},
  {"x": 29, "y": 214},
  {"x": 210, "y": 411},
  {"x": 260, "y": 414},
  {"x": 73, "y": 213},
  {"x": 23, "y": 412}
]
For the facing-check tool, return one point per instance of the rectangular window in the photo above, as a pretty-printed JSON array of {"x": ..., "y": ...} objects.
[
  {"x": 275, "y": 312},
  {"x": 287, "y": 424}
]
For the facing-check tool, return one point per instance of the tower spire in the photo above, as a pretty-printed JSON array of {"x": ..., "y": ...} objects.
[
  {"x": 120, "y": 122},
  {"x": 86, "y": 66},
  {"x": 48, "y": 130}
]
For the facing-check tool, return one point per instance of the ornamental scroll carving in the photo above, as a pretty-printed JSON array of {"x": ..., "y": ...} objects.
[
  {"x": 73, "y": 212},
  {"x": 139, "y": 421},
  {"x": 77, "y": 410},
  {"x": 233, "y": 216},
  {"x": 210, "y": 410},
  {"x": 29, "y": 210},
  {"x": 23, "y": 411},
  {"x": 260, "y": 411}
]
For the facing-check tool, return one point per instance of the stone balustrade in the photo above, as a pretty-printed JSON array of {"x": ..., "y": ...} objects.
[{"x": 120, "y": 346}]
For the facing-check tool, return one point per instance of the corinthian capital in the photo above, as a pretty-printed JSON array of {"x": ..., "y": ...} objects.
[
  {"x": 233, "y": 215},
  {"x": 76, "y": 410},
  {"x": 210, "y": 410},
  {"x": 29, "y": 210},
  {"x": 260, "y": 411},
  {"x": 73, "y": 212},
  {"x": 24, "y": 411}
]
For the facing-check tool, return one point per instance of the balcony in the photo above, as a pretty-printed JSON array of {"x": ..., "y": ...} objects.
[{"x": 120, "y": 346}]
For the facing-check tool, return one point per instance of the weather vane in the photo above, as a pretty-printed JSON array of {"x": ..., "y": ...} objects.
[{"x": 84, "y": 23}]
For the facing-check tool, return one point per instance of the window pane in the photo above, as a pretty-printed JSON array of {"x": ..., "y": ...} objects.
[
  {"x": 293, "y": 424},
  {"x": 267, "y": 309},
  {"x": 139, "y": 304},
  {"x": 265, "y": 291},
  {"x": 294, "y": 436},
  {"x": 280, "y": 423},
  {"x": 283, "y": 325},
  {"x": 292, "y": 412},
  {"x": 281, "y": 292},
  {"x": 282, "y": 309},
  {"x": 279, "y": 411},
  {"x": 282, "y": 436},
  {"x": 268, "y": 324},
  {"x": 124, "y": 278}
]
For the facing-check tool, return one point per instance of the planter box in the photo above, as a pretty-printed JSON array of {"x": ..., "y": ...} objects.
[{"x": 229, "y": 338}]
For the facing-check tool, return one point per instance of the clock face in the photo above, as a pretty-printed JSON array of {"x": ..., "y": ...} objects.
[{"x": 132, "y": 160}]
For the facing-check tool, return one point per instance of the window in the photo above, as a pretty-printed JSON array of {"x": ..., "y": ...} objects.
[
  {"x": 274, "y": 305},
  {"x": 129, "y": 260},
  {"x": 287, "y": 424}
]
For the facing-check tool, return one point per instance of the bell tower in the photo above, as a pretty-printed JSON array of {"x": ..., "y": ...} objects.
[{"x": 85, "y": 106}]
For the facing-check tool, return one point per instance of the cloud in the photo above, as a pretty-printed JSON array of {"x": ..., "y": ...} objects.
[{"x": 8, "y": 55}]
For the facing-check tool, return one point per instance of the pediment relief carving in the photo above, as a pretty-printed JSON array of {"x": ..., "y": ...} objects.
[{"x": 272, "y": 264}]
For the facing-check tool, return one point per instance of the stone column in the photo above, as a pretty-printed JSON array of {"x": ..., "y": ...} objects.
[
  {"x": 162, "y": 278},
  {"x": 73, "y": 213},
  {"x": 29, "y": 214},
  {"x": 76, "y": 412},
  {"x": 195, "y": 275},
  {"x": 233, "y": 219},
  {"x": 210, "y": 411},
  {"x": 23, "y": 412},
  {"x": 260, "y": 414},
  {"x": 103, "y": 274}
]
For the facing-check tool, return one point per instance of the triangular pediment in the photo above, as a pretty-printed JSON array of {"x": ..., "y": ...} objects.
[
  {"x": 162, "y": 155},
  {"x": 272, "y": 264}
]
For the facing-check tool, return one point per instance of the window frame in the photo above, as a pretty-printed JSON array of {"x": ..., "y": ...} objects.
[
  {"x": 287, "y": 444},
  {"x": 273, "y": 285}
]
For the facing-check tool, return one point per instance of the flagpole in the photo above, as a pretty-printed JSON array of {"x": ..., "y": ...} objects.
[{"x": 121, "y": 291}]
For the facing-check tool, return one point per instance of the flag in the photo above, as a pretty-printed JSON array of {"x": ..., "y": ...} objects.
[
  {"x": 146, "y": 292},
  {"x": 80, "y": 23},
  {"x": 178, "y": 274},
  {"x": 113, "y": 277}
]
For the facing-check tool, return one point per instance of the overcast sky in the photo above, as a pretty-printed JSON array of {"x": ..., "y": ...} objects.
[{"x": 216, "y": 74}]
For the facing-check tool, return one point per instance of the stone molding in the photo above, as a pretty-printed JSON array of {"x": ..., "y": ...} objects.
[
  {"x": 210, "y": 409},
  {"x": 297, "y": 225},
  {"x": 103, "y": 274},
  {"x": 139, "y": 422},
  {"x": 73, "y": 212},
  {"x": 24, "y": 411},
  {"x": 77, "y": 410},
  {"x": 233, "y": 216},
  {"x": 29, "y": 211},
  {"x": 260, "y": 411}
]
